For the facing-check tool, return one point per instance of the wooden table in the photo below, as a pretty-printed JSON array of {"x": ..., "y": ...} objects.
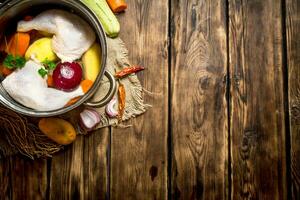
[{"x": 224, "y": 78}]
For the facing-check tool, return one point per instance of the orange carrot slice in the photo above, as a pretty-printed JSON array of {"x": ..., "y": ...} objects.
[
  {"x": 50, "y": 82},
  {"x": 5, "y": 71},
  {"x": 117, "y": 5},
  {"x": 86, "y": 86},
  {"x": 18, "y": 44},
  {"x": 28, "y": 18}
]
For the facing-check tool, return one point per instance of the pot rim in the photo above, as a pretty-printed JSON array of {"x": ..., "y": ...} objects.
[{"x": 101, "y": 37}]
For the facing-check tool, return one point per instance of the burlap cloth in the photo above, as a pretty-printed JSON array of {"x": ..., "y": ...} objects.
[{"x": 19, "y": 134}]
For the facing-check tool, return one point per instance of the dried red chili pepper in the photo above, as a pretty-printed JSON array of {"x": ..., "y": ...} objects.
[
  {"x": 128, "y": 70},
  {"x": 122, "y": 98}
]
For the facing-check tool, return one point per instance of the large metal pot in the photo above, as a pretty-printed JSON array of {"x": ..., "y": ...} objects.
[{"x": 13, "y": 10}]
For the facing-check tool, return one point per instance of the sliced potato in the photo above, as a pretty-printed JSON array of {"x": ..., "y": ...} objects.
[
  {"x": 92, "y": 62},
  {"x": 42, "y": 50}
]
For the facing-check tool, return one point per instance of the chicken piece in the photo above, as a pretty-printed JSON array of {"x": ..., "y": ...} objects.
[
  {"x": 27, "y": 87},
  {"x": 72, "y": 35}
]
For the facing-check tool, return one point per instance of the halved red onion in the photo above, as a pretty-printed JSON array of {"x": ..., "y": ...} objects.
[
  {"x": 67, "y": 76},
  {"x": 89, "y": 119}
]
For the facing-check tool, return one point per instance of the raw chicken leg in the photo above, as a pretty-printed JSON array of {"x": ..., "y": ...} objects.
[
  {"x": 27, "y": 87},
  {"x": 72, "y": 36}
]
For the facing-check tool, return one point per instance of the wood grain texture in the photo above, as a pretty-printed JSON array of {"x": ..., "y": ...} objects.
[
  {"x": 257, "y": 108},
  {"x": 199, "y": 109},
  {"x": 66, "y": 177},
  {"x": 28, "y": 178},
  {"x": 293, "y": 61},
  {"x": 139, "y": 153},
  {"x": 5, "y": 187},
  {"x": 81, "y": 171},
  {"x": 132, "y": 163},
  {"x": 96, "y": 165}
]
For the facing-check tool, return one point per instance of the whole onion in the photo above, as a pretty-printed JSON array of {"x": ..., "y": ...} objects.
[{"x": 67, "y": 76}]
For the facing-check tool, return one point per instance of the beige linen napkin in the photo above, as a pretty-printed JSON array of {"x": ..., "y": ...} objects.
[{"x": 117, "y": 59}]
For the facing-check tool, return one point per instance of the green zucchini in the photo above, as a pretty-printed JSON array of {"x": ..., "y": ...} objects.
[{"x": 107, "y": 18}]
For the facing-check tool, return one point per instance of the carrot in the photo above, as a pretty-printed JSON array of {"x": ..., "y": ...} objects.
[
  {"x": 72, "y": 101},
  {"x": 50, "y": 82},
  {"x": 5, "y": 71},
  {"x": 28, "y": 18},
  {"x": 86, "y": 86},
  {"x": 117, "y": 5},
  {"x": 2, "y": 46},
  {"x": 18, "y": 44}
]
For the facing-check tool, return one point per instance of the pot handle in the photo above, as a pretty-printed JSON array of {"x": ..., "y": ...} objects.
[
  {"x": 3, "y": 2},
  {"x": 109, "y": 95}
]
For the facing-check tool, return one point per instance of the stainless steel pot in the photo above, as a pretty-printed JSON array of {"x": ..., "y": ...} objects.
[{"x": 13, "y": 10}]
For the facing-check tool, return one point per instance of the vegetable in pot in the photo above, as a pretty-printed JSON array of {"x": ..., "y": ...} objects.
[
  {"x": 92, "y": 62},
  {"x": 42, "y": 72},
  {"x": 14, "y": 62},
  {"x": 41, "y": 50},
  {"x": 50, "y": 65},
  {"x": 47, "y": 67},
  {"x": 18, "y": 44},
  {"x": 5, "y": 71},
  {"x": 28, "y": 18},
  {"x": 67, "y": 76},
  {"x": 86, "y": 86},
  {"x": 50, "y": 82}
]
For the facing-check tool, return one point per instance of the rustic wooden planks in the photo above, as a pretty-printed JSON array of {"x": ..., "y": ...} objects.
[
  {"x": 81, "y": 171},
  {"x": 66, "y": 172},
  {"x": 293, "y": 61},
  {"x": 137, "y": 167},
  {"x": 257, "y": 108},
  {"x": 139, "y": 153},
  {"x": 199, "y": 109},
  {"x": 28, "y": 178},
  {"x": 5, "y": 187},
  {"x": 96, "y": 165}
]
